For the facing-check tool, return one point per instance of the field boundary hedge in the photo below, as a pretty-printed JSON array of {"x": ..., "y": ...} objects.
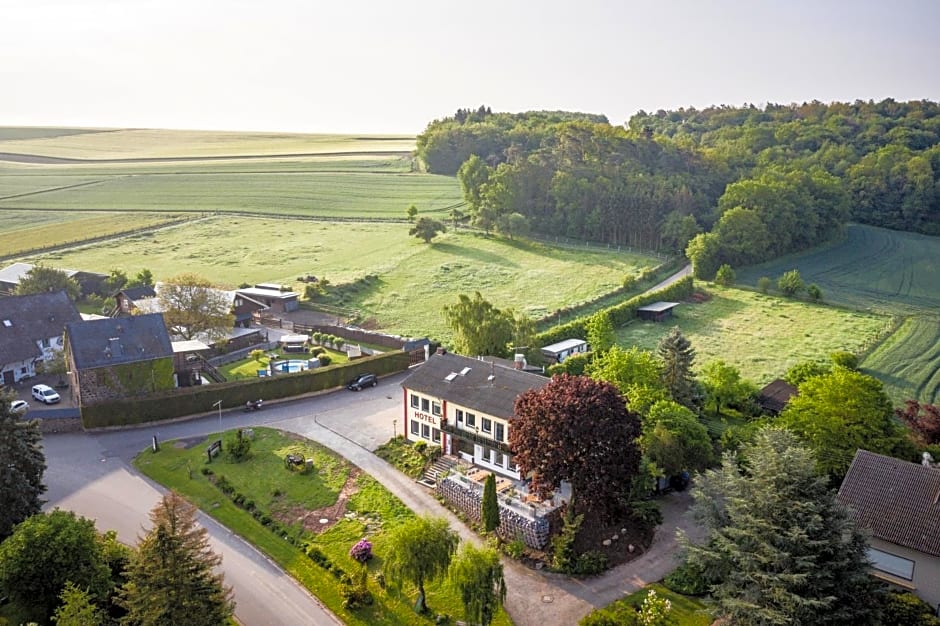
[
  {"x": 186, "y": 401},
  {"x": 620, "y": 313}
]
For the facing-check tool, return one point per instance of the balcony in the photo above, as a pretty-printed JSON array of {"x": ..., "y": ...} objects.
[{"x": 475, "y": 436}]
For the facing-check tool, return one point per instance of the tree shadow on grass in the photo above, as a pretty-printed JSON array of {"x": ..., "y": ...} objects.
[{"x": 474, "y": 254}]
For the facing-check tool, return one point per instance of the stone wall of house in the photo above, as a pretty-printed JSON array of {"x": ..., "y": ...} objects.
[
  {"x": 534, "y": 532},
  {"x": 124, "y": 380}
]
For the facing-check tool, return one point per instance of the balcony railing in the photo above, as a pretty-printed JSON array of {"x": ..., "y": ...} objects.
[{"x": 474, "y": 436}]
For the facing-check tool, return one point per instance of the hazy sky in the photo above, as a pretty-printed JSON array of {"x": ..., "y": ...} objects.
[{"x": 392, "y": 66}]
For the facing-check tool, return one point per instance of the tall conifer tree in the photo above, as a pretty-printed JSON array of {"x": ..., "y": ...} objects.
[
  {"x": 22, "y": 464},
  {"x": 678, "y": 356}
]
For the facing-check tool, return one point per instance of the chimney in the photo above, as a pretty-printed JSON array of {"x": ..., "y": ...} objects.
[{"x": 519, "y": 362}]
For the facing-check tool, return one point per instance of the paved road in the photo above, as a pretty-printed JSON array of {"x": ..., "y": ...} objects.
[{"x": 90, "y": 473}]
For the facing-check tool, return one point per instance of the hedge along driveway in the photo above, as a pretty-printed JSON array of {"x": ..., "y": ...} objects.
[{"x": 195, "y": 400}]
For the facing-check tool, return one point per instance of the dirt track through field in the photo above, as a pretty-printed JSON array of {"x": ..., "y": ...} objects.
[{"x": 15, "y": 157}]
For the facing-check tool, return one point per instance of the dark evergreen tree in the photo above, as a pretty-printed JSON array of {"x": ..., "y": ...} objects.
[
  {"x": 678, "y": 356},
  {"x": 490, "y": 505},
  {"x": 780, "y": 549},
  {"x": 21, "y": 468},
  {"x": 171, "y": 579}
]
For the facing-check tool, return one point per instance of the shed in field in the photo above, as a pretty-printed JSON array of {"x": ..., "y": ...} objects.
[
  {"x": 558, "y": 352},
  {"x": 656, "y": 312}
]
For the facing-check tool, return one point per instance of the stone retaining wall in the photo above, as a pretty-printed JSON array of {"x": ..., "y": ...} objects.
[{"x": 534, "y": 532}]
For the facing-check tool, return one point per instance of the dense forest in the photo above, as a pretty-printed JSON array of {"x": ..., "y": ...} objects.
[{"x": 742, "y": 184}]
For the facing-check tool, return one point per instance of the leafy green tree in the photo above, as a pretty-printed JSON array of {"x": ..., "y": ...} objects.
[
  {"x": 780, "y": 546},
  {"x": 143, "y": 278},
  {"x": 513, "y": 225},
  {"x": 43, "y": 279},
  {"x": 21, "y": 470},
  {"x": 763, "y": 284},
  {"x": 742, "y": 236},
  {"x": 115, "y": 281},
  {"x": 191, "y": 306},
  {"x": 411, "y": 212},
  {"x": 805, "y": 370},
  {"x": 478, "y": 575},
  {"x": 479, "y": 327},
  {"x": 678, "y": 230},
  {"x": 724, "y": 385},
  {"x": 903, "y": 608},
  {"x": 420, "y": 551},
  {"x": 791, "y": 283},
  {"x": 677, "y": 355},
  {"x": 844, "y": 358},
  {"x": 725, "y": 275},
  {"x": 77, "y": 608},
  {"x": 838, "y": 413},
  {"x": 814, "y": 292},
  {"x": 636, "y": 373},
  {"x": 46, "y": 551},
  {"x": 704, "y": 251},
  {"x": 600, "y": 332},
  {"x": 578, "y": 430},
  {"x": 674, "y": 439},
  {"x": 456, "y": 216},
  {"x": 172, "y": 579},
  {"x": 427, "y": 228},
  {"x": 490, "y": 505},
  {"x": 473, "y": 175}
]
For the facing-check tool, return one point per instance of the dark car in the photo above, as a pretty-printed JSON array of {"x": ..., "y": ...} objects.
[{"x": 361, "y": 381}]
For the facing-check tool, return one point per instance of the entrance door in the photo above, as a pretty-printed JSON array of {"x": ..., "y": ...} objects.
[{"x": 8, "y": 377}]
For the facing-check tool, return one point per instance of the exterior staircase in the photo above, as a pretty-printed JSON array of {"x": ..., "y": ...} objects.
[{"x": 441, "y": 467}]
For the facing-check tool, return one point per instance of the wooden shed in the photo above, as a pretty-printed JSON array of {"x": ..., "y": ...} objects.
[{"x": 656, "y": 312}]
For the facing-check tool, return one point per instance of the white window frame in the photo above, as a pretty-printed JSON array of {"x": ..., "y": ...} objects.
[
  {"x": 459, "y": 415},
  {"x": 415, "y": 401},
  {"x": 471, "y": 420},
  {"x": 425, "y": 431},
  {"x": 436, "y": 408},
  {"x": 486, "y": 425},
  {"x": 425, "y": 405},
  {"x": 415, "y": 428}
]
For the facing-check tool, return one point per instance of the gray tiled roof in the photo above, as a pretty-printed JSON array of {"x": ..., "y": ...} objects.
[
  {"x": 26, "y": 319},
  {"x": 897, "y": 501},
  {"x": 101, "y": 343},
  {"x": 494, "y": 396},
  {"x": 139, "y": 293}
]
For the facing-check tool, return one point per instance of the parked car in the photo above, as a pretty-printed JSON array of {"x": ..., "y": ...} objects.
[
  {"x": 19, "y": 407},
  {"x": 45, "y": 394},
  {"x": 361, "y": 381}
]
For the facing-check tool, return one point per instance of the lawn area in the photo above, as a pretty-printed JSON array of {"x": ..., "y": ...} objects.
[
  {"x": 686, "y": 610},
  {"x": 248, "y": 368},
  {"x": 355, "y": 504},
  {"x": 908, "y": 362},
  {"x": 413, "y": 281},
  {"x": 762, "y": 335}
]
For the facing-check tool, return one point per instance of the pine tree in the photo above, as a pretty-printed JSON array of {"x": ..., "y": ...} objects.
[
  {"x": 490, "y": 506},
  {"x": 678, "y": 356},
  {"x": 77, "y": 609},
  {"x": 780, "y": 548},
  {"x": 21, "y": 469},
  {"x": 171, "y": 579}
]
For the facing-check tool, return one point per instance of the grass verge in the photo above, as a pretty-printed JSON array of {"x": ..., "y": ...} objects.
[{"x": 686, "y": 610}]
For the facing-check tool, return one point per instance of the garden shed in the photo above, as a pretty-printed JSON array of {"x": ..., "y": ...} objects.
[
  {"x": 558, "y": 352},
  {"x": 656, "y": 312}
]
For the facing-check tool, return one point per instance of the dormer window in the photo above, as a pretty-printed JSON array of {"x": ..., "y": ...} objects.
[{"x": 8, "y": 323}]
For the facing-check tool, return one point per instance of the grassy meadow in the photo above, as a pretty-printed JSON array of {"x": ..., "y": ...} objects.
[
  {"x": 287, "y": 497},
  {"x": 908, "y": 362},
  {"x": 762, "y": 335},
  {"x": 414, "y": 280}
]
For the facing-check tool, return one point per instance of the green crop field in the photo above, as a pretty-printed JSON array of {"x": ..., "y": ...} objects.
[
  {"x": 885, "y": 271},
  {"x": 150, "y": 143},
  {"x": 23, "y": 231},
  {"x": 760, "y": 335},
  {"x": 414, "y": 280}
]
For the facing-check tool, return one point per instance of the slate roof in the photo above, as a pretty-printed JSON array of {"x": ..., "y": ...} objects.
[
  {"x": 114, "y": 341},
  {"x": 26, "y": 319},
  {"x": 774, "y": 396},
  {"x": 473, "y": 389},
  {"x": 897, "y": 501},
  {"x": 139, "y": 293}
]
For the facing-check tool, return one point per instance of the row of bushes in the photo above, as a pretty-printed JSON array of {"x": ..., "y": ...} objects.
[
  {"x": 194, "y": 400},
  {"x": 620, "y": 313}
]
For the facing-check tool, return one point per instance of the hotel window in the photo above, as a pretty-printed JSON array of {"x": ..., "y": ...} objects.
[
  {"x": 436, "y": 408},
  {"x": 415, "y": 429},
  {"x": 487, "y": 425},
  {"x": 425, "y": 431},
  {"x": 499, "y": 436},
  {"x": 471, "y": 420},
  {"x": 459, "y": 415},
  {"x": 891, "y": 564},
  {"x": 425, "y": 405},
  {"x": 435, "y": 435},
  {"x": 415, "y": 403}
]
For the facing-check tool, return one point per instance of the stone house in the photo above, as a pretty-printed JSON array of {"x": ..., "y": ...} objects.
[
  {"x": 114, "y": 358},
  {"x": 31, "y": 329},
  {"x": 898, "y": 504}
]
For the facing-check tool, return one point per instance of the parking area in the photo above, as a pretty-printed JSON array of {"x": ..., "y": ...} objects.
[{"x": 23, "y": 391}]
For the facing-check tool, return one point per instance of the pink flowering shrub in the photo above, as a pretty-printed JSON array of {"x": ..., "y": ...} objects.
[{"x": 362, "y": 551}]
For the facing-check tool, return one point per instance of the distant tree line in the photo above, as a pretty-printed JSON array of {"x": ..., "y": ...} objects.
[{"x": 744, "y": 184}]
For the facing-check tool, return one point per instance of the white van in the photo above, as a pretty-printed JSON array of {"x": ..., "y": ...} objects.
[{"x": 45, "y": 394}]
